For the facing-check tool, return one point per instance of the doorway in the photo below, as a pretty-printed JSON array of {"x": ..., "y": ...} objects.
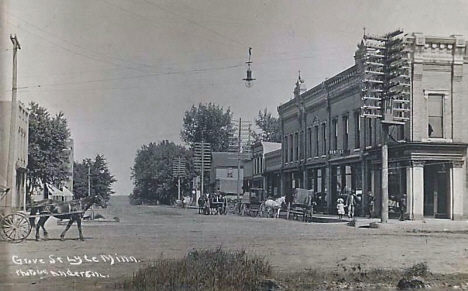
[{"x": 436, "y": 190}]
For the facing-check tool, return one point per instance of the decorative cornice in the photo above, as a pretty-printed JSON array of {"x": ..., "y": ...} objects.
[
  {"x": 418, "y": 164},
  {"x": 457, "y": 164}
]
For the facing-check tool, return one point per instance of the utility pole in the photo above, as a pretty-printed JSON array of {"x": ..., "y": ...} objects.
[
  {"x": 178, "y": 170},
  {"x": 385, "y": 92},
  {"x": 12, "y": 139},
  {"x": 239, "y": 159},
  {"x": 202, "y": 159},
  {"x": 89, "y": 180}
]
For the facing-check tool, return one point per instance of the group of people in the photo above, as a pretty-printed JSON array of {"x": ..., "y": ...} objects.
[
  {"x": 212, "y": 204},
  {"x": 351, "y": 203}
]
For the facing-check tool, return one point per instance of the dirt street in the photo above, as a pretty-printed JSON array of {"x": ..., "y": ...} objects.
[{"x": 112, "y": 250}]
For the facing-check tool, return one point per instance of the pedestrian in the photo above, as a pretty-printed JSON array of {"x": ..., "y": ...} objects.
[
  {"x": 351, "y": 202},
  {"x": 201, "y": 203},
  {"x": 370, "y": 204},
  {"x": 340, "y": 207},
  {"x": 402, "y": 205}
]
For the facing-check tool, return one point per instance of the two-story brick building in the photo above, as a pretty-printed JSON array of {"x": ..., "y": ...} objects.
[{"x": 328, "y": 147}]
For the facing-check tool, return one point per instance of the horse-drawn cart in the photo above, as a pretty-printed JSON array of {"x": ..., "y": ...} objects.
[
  {"x": 16, "y": 226},
  {"x": 251, "y": 202},
  {"x": 302, "y": 204}
]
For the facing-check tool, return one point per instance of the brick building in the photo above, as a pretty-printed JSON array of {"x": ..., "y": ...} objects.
[{"x": 329, "y": 148}]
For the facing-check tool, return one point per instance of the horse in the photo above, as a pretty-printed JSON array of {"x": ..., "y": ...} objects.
[
  {"x": 72, "y": 210},
  {"x": 273, "y": 207}
]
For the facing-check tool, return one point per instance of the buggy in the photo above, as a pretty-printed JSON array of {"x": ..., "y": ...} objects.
[
  {"x": 251, "y": 202},
  {"x": 302, "y": 204}
]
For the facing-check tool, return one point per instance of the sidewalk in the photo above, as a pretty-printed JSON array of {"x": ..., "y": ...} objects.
[{"x": 425, "y": 225}]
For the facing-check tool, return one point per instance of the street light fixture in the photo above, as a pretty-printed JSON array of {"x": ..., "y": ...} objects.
[{"x": 249, "y": 80}]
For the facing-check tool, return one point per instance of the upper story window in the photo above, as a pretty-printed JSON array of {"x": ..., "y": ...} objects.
[
  {"x": 309, "y": 142},
  {"x": 435, "y": 112},
  {"x": 345, "y": 132},
  {"x": 296, "y": 145},
  {"x": 334, "y": 144},
  {"x": 324, "y": 139},
  {"x": 316, "y": 138},
  {"x": 291, "y": 148},
  {"x": 286, "y": 149},
  {"x": 357, "y": 130}
]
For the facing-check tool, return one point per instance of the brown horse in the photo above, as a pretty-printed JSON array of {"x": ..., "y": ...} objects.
[{"x": 72, "y": 210}]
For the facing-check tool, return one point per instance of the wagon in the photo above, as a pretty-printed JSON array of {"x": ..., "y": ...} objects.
[
  {"x": 16, "y": 226},
  {"x": 251, "y": 202},
  {"x": 302, "y": 204}
]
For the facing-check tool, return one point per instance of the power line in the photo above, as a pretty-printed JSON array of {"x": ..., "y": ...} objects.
[
  {"x": 140, "y": 65},
  {"x": 198, "y": 24}
]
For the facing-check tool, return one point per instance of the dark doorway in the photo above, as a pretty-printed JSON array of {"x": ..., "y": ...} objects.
[{"x": 436, "y": 190}]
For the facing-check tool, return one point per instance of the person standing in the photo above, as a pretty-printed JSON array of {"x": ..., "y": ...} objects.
[
  {"x": 370, "y": 204},
  {"x": 351, "y": 203},
  {"x": 340, "y": 207},
  {"x": 402, "y": 205}
]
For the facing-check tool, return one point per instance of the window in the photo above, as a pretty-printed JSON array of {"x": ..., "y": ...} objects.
[
  {"x": 357, "y": 130},
  {"x": 324, "y": 139},
  {"x": 435, "y": 110},
  {"x": 370, "y": 132},
  {"x": 345, "y": 132},
  {"x": 334, "y": 144},
  {"x": 316, "y": 138},
  {"x": 296, "y": 145},
  {"x": 291, "y": 148},
  {"x": 286, "y": 149},
  {"x": 229, "y": 173},
  {"x": 301, "y": 146},
  {"x": 309, "y": 143}
]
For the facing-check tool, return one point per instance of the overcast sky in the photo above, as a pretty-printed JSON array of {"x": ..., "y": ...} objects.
[{"x": 125, "y": 71}]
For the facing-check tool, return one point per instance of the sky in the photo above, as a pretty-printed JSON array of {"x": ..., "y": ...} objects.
[{"x": 125, "y": 71}]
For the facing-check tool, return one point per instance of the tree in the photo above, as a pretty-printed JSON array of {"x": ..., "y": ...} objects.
[
  {"x": 48, "y": 152},
  {"x": 208, "y": 123},
  {"x": 152, "y": 171},
  {"x": 269, "y": 127},
  {"x": 100, "y": 178}
]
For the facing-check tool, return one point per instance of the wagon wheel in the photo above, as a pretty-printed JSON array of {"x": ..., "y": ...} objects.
[
  {"x": 269, "y": 212},
  {"x": 15, "y": 227}
]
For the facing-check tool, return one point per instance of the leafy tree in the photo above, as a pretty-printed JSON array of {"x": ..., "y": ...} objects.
[
  {"x": 152, "y": 173},
  {"x": 100, "y": 181},
  {"x": 48, "y": 153},
  {"x": 208, "y": 123},
  {"x": 269, "y": 127}
]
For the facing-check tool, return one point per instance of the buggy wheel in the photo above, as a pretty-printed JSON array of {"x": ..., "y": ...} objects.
[
  {"x": 268, "y": 212},
  {"x": 15, "y": 227}
]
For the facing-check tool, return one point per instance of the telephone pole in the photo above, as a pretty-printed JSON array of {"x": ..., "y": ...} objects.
[
  {"x": 12, "y": 139},
  {"x": 385, "y": 92}
]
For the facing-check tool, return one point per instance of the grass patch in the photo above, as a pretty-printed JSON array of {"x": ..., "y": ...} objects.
[
  {"x": 208, "y": 270},
  {"x": 223, "y": 270}
]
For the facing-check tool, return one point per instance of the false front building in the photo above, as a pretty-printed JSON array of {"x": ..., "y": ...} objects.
[{"x": 328, "y": 147}]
